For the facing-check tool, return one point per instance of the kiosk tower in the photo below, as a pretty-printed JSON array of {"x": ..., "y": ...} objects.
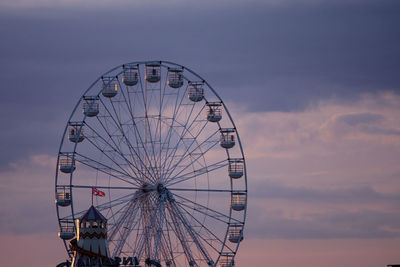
[{"x": 90, "y": 247}]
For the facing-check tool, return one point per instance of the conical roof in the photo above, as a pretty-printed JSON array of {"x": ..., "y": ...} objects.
[{"x": 93, "y": 215}]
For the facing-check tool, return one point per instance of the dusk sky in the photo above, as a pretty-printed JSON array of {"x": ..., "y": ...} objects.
[{"x": 313, "y": 86}]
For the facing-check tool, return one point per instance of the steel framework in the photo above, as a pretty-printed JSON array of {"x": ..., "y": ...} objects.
[{"x": 145, "y": 136}]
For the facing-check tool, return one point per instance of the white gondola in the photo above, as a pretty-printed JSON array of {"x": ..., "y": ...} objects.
[
  {"x": 227, "y": 139},
  {"x": 110, "y": 87},
  {"x": 196, "y": 91},
  {"x": 235, "y": 233},
  {"x": 175, "y": 78},
  {"x": 236, "y": 168},
  {"x": 153, "y": 73},
  {"x": 66, "y": 232},
  {"x": 63, "y": 198},
  {"x": 226, "y": 261},
  {"x": 238, "y": 201},
  {"x": 90, "y": 106},
  {"x": 76, "y": 133},
  {"x": 214, "y": 112},
  {"x": 130, "y": 77},
  {"x": 66, "y": 163}
]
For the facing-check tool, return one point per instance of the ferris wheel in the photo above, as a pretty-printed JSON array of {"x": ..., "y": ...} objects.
[{"x": 160, "y": 143}]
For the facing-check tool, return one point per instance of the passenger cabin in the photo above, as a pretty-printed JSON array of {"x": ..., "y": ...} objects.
[
  {"x": 196, "y": 91},
  {"x": 66, "y": 163},
  {"x": 66, "y": 230},
  {"x": 238, "y": 201},
  {"x": 235, "y": 168},
  {"x": 214, "y": 112},
  {"x": 226, "y": 260},
  {"x": 90, "y": 106},
  {"x": 175, "y": 78},
  {"x": 227, "y": 139},
  {"x": 153, "y": 73},
  {"x": 75, "y": 132},
  {"x": 63, "y": 197},
  {"x": 235, "y": 233},
  {"x": 110, "y": 87},
  {"x": 130, "y": 76}
]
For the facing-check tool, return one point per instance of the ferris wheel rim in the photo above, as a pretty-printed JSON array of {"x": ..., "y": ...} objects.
[{"x": 178, "y": 189}]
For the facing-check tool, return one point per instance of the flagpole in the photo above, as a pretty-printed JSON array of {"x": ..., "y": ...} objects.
[{"x": 92, "y": 196}]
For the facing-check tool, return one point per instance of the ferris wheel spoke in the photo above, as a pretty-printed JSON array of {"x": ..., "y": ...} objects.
[
  {"x": 111, "y": 158},
  {"x": 120, "y": 243},
  {"x": 114, "y": 214},
  {"x": 137, "y": 134},
  {"x": 206, "y": 144},
  {"x": 181, "y": 136},
  {"x": 136, "y": 131},
  {"x": 177, "y": 227},
  {"x": 147, "y": 127},
  {"x": 164, "y": 251},
  {"x": 115, "y": 150},
  {"x": 136, "y": 232},
  {"x": 115, "y": 202},
  {"x": 214, "y": 236},
  {"x": 124, "y": 214},
  {"x": 173, "y": 121},
  {"x": 189, "y": 229},
  {"x": 209, "y": 145},
  {"x": 211, "y": 213},
  {"x": 108, "y": 187},
  {"x": 101, "y": 207},
  {"x": 106, "y": 169},
  {"x": 167, "y": 247},
  {"x": 127, "y": 142},
  {"x": 185, "y": 154},
  {"x": 114, "y": 147},
  {"x": 159, "y": 225},
  {"x": 197, "y": 172},
  {"x": 156, "y": 136},
  {"x": 186, "y": 130},
  {"x": 159, "y": 125},
  {"x": 148, "y": 219},
  {"x": 129, "y": 224},
  {"x": 205, "y": 190}
]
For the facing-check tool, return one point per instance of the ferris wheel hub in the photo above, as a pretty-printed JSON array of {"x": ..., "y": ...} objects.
[{"x": 146, "y": 188}]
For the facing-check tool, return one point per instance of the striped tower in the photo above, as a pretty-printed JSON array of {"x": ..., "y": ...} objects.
[{"x": 90, "y": 247}]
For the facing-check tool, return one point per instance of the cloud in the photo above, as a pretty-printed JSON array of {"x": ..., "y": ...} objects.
[
  {"x": 29, "y": 185},
  {"x": 362, "y": 224},
  {"x": 318, "y": 252},
  {"x": 360, "y": 118},
  {"x": 266, "y": 189},
  {"x": 38, "y": 249},
  {"x": 329, "y": 171},
  {"x": 326, "y": 124}
]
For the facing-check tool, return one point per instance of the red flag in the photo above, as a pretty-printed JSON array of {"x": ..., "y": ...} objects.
[{"x": 97, "y": 192}]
